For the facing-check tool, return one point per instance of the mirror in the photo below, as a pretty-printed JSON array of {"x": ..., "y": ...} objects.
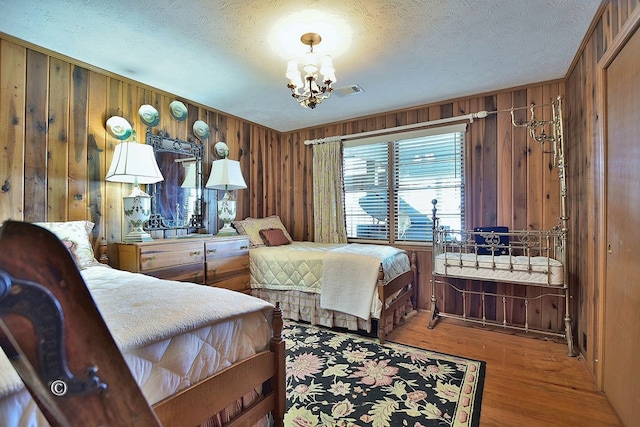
[{"x": 176, "y": 202}]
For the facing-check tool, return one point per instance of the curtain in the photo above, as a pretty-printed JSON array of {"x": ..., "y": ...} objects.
[{"x": 328, "y": 203}]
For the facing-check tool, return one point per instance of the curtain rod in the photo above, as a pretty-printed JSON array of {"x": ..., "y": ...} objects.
[{"x": 470, "y": 117}]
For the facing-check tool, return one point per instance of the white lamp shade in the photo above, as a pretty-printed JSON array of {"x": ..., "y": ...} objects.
[
  {"x": 190, "y": 179},
  {"x": 134, "y": 163},
  {"x": 226, "y": 175}
]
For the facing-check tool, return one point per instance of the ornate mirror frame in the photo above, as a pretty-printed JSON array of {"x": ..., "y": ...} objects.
[{"x": 194, "y": 153}]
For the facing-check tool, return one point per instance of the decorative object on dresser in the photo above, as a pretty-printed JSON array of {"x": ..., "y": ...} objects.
[
  {"x": 226, "y": 175},
  {"x": 204, "y": 259},
  {"x": 135, "y": 164}
]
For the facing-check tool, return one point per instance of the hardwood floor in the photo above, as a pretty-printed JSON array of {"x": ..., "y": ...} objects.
[{"x": 529, "y": 381}]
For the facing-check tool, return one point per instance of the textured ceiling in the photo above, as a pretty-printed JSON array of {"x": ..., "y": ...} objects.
[{"x": 231, "y": 55}]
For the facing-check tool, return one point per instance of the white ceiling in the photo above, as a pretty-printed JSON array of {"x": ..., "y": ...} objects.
[{"x": 231, "y": 55}]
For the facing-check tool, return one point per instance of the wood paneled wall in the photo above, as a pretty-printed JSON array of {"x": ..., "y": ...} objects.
[{"x": 55, "y": 148}]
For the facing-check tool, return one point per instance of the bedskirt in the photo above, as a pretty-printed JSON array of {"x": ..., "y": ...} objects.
[{"x": 305, "y": 307}]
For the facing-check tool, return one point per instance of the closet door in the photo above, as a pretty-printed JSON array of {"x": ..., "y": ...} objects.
[{"x": 622, "y": 289}]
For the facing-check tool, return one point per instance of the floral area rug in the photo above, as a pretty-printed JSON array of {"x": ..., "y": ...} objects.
[{"x": 341, "y": 379}]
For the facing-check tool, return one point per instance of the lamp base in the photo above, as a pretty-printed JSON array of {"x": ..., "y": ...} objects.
[
  {"x": 227, "y": 213},
  {"x": 136, "y": 236},
  {"x": 227, "y": 230},
  {"x": 137, "y": 210}
]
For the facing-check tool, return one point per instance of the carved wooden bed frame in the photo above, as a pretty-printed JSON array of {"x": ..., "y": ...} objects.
[{"x": 54, "y": 335}]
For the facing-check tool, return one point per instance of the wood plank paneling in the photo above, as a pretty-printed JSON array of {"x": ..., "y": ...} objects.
[
  {"x": 78, "y": 177},
  {"x": 99, "y": 211},
  {"x": 36, "y": 137},
  {"x": 57, "y": 150},
  {"x": 13, "y": 63}
]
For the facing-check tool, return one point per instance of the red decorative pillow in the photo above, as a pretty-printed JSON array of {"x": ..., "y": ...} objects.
[{"x": 274, "y": 237}]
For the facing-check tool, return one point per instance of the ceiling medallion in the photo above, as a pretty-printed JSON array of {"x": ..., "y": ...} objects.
[{"x": 309, "y": 93}]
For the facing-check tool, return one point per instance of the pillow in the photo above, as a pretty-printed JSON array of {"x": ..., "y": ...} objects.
[
  {"x": 490, "y": 241},
  {"x": 252, "y": 226},
  {"x": 274, "y": 237},
  {"x": 76, "y": 233}
]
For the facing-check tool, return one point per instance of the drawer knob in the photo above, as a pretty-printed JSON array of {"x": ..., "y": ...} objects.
[
  {"x": 194, "y": 253},
  {"x": 149, "y": 258},
  {"x": 244, "y": 247},
  {"x": 211, "y": 251}
]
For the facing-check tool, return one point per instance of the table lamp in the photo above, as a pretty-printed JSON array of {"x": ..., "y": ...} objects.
[
  {"x": 226, "y": 175},
  {"x": 136, "y": 164}
]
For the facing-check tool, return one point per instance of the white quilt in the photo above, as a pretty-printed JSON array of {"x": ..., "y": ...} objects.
[{"x": 172, "y": 335}]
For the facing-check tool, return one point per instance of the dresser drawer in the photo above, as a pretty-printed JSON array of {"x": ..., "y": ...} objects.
[
  {"x": 238, "y": 283},
  {"x": 182, "y": 273},
  {"x": 227, "y": 263},
  {"x": 225, "y": 248},
  {"x": 222, "y": 268},
  {"x": 170, "y": 255}
]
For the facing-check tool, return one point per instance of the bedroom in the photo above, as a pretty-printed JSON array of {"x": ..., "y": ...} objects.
[{"x": 75, "y": 99}]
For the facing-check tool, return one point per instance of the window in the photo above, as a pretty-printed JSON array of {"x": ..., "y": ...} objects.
[{"x": 397, "y": 176}]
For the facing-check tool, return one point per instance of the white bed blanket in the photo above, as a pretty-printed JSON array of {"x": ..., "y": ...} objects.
[{"x": 350, "y": 276}]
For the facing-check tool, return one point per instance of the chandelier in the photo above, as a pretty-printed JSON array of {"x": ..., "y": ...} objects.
[{"x": 309, "y": 93}]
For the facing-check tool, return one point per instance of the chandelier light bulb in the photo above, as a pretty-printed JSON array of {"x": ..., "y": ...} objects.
[
  {"x": 310, "y": 63},
  {"x": 327, "y": 69},
  {"x": 293, "y": 74}
]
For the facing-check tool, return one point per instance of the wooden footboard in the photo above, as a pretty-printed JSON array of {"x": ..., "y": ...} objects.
[
  {"x": 200, "y": 401},
  {"x": 405, "y": 283}
]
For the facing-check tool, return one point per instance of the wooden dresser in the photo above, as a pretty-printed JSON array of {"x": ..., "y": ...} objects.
[{"x": 215, "y": 261}]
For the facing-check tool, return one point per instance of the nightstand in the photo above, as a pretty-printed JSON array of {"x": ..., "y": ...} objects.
[{"x": 214, "y": 261}]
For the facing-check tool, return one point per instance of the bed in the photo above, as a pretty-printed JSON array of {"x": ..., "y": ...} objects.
[
  {"x": 189, "y": 347},
  {"x": 354, "y": 286},
  {"x": 495, "y": 254}
]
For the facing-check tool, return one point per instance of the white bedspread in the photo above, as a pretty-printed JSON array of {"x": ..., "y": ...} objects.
[
  {"x": 172, "y": 335},
  {"x": 163, "y": 309}
]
